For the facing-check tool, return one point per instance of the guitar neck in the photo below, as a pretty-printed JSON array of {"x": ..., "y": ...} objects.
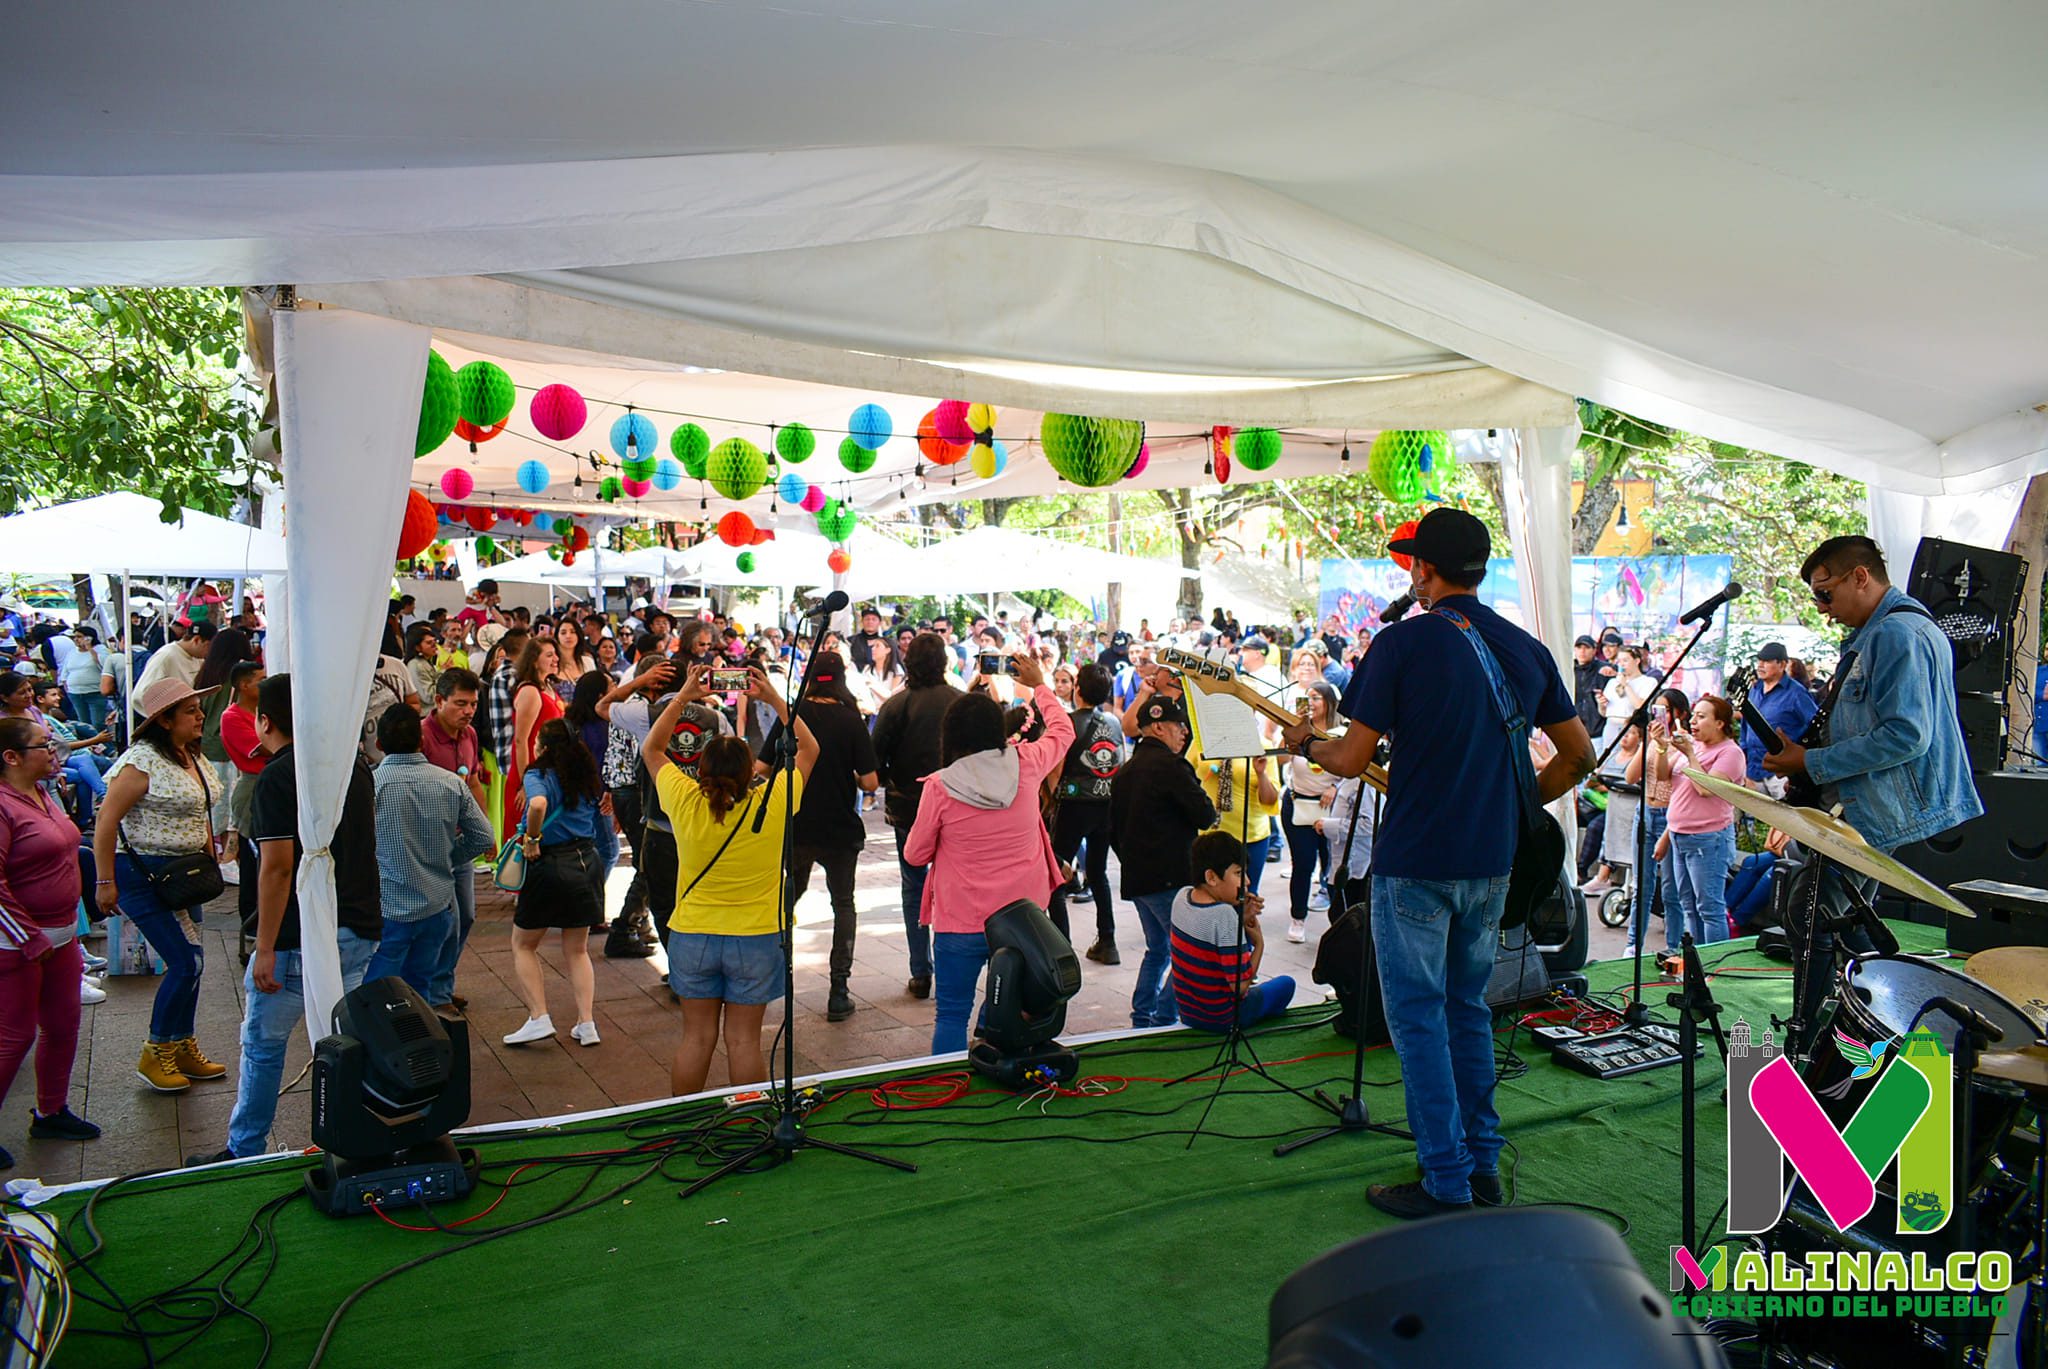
[{"x": 1211, "y": 678}]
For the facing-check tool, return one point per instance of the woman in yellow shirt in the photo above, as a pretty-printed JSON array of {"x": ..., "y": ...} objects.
[
  {"x": 1235, "y": 786},
  {"x": 724, "y": 945}
]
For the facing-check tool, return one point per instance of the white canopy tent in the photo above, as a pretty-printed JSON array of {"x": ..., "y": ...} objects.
[
  {"x": 1798, "y": 232},
  {"x": 987, "y": 560},
  {"x": 119, "y": 533}
]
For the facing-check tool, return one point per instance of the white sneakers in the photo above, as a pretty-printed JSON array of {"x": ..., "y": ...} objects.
[
  {"x": 89, "y": 991},
  {"x": 1297, "y": 930},
  {"x": 536, "y": 1029},
  {"x": 585, "y": 1033}
]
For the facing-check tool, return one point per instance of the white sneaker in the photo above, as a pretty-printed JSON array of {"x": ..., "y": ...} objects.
[
  {"x": 585, "y": 1033},
  {"x": 94, "y": 963},
  {"x": 231, "y": 872},
  {"x": 1297, "y": 930},
  {"x": 536, "y": 1029},
  {"x": 1319, "y": 899},
  {"x": 89, "y": 992}
]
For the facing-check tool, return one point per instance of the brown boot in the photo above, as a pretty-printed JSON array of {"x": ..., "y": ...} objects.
[
  {"x": 159, "y": 1068},
  {"x": 193, "y": 1064}
]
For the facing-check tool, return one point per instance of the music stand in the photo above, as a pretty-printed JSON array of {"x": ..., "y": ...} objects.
[{"x": 1233, "y": 728}]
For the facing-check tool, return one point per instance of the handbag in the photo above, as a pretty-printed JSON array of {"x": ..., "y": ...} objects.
[
  {"x": 510, "y": 870},
  {"x": 184, "y": 881}
]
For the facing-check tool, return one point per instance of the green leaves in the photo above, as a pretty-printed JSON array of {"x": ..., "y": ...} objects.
[{"x": 122, "y": 389}]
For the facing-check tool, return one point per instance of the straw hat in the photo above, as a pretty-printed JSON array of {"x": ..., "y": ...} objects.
[{"x": 161, "y": 697}]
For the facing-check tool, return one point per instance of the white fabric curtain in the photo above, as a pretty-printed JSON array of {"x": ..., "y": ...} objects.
[
  {"x": 349, "y": 393},
  {"x": 1898, "y": 521},
  {"x": 1536, "y": 488}
]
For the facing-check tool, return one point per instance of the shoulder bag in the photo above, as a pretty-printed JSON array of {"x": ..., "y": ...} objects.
[
  {"x": 185, "y": 881},
  {"x": 512, "y": 865}
]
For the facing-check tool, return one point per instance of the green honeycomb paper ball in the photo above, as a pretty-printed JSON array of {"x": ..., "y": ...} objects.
[
  {"x": 736, "y": 468},
  {"x": 1258, "y": 448},
  {"x": 745, "y": 563},
  {"x": 639, "y": 467},
  {"x": 691, "y": 445},
  {"x": 836, "y": 520},
  {"x": 484, "y": 394},
  {"x": 1399, "y": 455},
  {"x": 795, "y": 443},
  {"x": 437, "y": 406},
  {"x": 853, "y": 456},
  {"x": 609, "y": 489},
  {"x": 1090, "y": 451}
]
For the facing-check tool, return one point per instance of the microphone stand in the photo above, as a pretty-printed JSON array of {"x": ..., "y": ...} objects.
[
  {"x": 786, "y": 1135},
  {"x": 1638, "y": 1012}
]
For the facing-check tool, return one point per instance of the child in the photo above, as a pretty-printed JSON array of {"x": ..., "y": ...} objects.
[{"x": 1214, "y": 961}]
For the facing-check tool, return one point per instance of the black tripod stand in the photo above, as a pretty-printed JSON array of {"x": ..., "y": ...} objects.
[
  {"x": 1231, "y": 1056},
  {"x": 786, "y": 1135},
  {"x": 1638, "y": 1012},
  {"x": 1695, "y": 1004},
  {"x": 1352, "y": 1112}
]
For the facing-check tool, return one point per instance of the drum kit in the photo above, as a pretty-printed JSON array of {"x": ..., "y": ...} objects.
[{"x": 1992, "y": 1014}]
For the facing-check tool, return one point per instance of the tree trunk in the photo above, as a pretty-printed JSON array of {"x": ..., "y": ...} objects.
[
  {"x": 1116, "y": 544},
  {"x": 1596, "y": 506},
  {"x": 993, "y": 510},
  {"x": 81, "y": 590}
]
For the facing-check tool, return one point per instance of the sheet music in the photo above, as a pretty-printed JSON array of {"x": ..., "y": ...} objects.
[{"x": 1226, "y": 725}]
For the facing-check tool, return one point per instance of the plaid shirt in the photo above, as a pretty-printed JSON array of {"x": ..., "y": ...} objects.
[{"x": 497, "y": 719}]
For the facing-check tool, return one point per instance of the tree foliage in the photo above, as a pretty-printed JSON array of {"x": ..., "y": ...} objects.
[{"x": 106, "y": 389}]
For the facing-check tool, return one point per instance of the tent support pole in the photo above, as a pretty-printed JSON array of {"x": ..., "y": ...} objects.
[{"x": 127, "y": 675}]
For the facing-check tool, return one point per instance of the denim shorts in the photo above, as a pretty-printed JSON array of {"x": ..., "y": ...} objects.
[{"x": 746, "y": 970}]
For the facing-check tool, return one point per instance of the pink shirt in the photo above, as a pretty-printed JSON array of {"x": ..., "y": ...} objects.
[
  {"x": 984, "y": 859},
  {"x": 39, "y": 878},
  {"x": 1693, "y": 810}
]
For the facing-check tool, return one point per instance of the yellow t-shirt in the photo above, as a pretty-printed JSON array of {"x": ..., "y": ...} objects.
[
  {"x": 1244, "y": 785},
  {"x": 738, "y": 896}
]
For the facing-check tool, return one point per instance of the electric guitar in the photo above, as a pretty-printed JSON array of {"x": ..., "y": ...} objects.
[{"x": 1213, "y": 677}]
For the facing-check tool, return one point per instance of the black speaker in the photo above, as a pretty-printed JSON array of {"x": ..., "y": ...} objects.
[
  {"x": 1974, "y": 594},
  {"x": 1983, "y": 720},
  {"x": 2008, "y": 843}
]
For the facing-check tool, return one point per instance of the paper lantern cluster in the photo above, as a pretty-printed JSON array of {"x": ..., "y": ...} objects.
[
  {"x": 791, "y": 489},
  {"x": 836, "y": 522},
  {"x": 1091, "y": 452},
  {"x": 855, "y": 457},
  {"x": 690, "y": 445},
  {"x": 745, "y": 562},
  {"x": 1408, "y": 465},
  {"x": 532, "y": 476},
  {"x": 840, "y": 560},
  {"x": 1258, "y": 449},
  {"x": 437, "y": 406},
  {"x": 416, "y": 532},
  {"x": 936, "y": 448},
  {"x": 794, "y": 443},
  {"x": 484, "y": 394},
  {"x": 457, "y": 483},
  {"x": 1144, "y": 460},
  {"x": 633, "y": 436},
  {"x": 989, "y": 459},
  {"x": 870, "y": 426},
  {"x": 668, "y": 473},
  {"x": 735, "y": 529}
]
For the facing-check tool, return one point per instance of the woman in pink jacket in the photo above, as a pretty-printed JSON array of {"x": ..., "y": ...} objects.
[{"x": 978, "y": 828}]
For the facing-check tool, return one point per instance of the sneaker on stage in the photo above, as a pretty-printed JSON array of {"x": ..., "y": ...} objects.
[{"x": 536, "y": 1029}]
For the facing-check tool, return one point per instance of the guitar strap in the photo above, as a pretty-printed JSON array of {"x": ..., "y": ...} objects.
[{"x": 1513, "y": 724}]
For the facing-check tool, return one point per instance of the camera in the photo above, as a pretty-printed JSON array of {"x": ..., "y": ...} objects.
[{"x": 990, "y": 663}]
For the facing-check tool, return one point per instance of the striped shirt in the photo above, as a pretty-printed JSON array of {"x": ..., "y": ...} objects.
[{"x": 1211, "y": 956}]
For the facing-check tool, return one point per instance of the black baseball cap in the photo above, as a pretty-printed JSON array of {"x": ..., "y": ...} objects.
[
  {"x": 1255, "y": 643},
  {"x": 1450, "y": 538},
  {"x": 1584, "y": 640},
  {"x": 1772, "y": 651},
  {"x": 1161, "y": 710}
]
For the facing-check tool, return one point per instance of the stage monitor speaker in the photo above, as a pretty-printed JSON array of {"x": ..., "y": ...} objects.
[
  {"x": 1983, "y": 720},
  {"x": 2008, "y": 843},
  {"x": 1974, "y": 594}
]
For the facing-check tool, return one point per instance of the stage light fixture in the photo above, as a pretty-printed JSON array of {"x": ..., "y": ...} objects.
[
  {"x": 1454, "y": 1290},
  {"x": 1032, "y": 972},
  {"x": 389, "y": 1084}
]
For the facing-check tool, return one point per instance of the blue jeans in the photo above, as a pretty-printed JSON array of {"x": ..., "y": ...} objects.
[
  {"x": 1749, "y": 889},
  {"x": 1435, "y": 940},
  {"x": 1662, "y": 876},
  {"x": 89, "y": 710},
  {"x": 267, "y": 1025},
  {"x": 958, "y": 959},
  {"x": 1266, "y": 999},
  {"x": 441, "y": 988},
  {"x": 915, "y": 932},
  {"x": 1152, "y": 1002},
  {"x": 177, "y": 998},
  {"x": 1703, "y": 859},
  {"x": 413, "y": 949},
  {"x": 1255, "y": 861}
]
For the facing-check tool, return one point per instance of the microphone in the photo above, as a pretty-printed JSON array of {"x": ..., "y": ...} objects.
[
  {"x": 1965, "y": 1016},
  {"x": 1398, "y": 609},
  {"x": 834, "y": 601},
  {"x": 1729, "y": 591}
]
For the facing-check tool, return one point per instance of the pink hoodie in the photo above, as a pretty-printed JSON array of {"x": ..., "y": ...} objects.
[{"x": 978, "y": 828}]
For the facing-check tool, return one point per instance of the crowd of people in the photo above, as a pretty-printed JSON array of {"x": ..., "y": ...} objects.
[{"x": 1010, "y": 761}]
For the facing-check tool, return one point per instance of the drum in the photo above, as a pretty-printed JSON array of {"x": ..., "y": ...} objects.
[{"x": 1880, "y": 998}]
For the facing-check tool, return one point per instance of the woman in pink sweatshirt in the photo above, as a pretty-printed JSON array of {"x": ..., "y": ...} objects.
[
  {"x": 40, "y": 959},
  {"x": 978, "y": 828}
]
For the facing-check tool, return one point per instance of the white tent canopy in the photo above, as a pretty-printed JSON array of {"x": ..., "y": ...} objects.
[
  {"x": 1317, "y": 214},
  {"x": 110, "y": 534},
  {"x": 987, "y": 560},
  {"x": 796, "y": 557}
]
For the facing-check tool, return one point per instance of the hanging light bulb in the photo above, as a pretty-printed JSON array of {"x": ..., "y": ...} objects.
[
  {"x": 1345, "y": 456},
  {"x": 1621, "y": 523},
  {"x": 632, "y": 443}
]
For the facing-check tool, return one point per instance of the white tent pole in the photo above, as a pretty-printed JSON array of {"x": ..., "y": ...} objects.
[{"x": 127, "y": 675}]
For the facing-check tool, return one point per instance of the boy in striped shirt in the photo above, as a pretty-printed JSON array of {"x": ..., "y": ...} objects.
[{"x": 1215, "y": 956}]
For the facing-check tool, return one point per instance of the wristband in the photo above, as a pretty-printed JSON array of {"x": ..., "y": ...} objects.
[
  {"x": 98, "y": 882},
  {"x": 1307, "y": 744}
]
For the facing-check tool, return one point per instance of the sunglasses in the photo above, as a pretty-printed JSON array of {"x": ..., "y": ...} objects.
[{"x": 1823, "y": 597}]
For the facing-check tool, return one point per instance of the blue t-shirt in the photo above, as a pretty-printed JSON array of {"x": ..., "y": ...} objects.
[
  {"x": 564, "y": 823},
  {"x": 1789, "y": 708},
  {"x": 1452, "y": 811}
]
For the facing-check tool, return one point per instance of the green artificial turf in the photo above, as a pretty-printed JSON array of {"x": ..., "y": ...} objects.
[{"x": 1064, "y": 1232}]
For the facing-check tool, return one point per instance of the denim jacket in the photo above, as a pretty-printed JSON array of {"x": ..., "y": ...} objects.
[{"x": 1895, "y": 745}]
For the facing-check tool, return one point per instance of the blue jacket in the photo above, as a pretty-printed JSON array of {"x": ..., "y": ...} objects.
[{"x": 1895, "y": 747}]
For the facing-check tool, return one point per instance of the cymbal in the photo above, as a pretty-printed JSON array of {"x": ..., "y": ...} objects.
[
  {"x": 2028, "y": 1067},
  {"x": 2018, "y": 972},
  {"x": 1831, "y": 837}
]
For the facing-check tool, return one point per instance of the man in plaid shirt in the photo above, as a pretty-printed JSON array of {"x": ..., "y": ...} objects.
[{"x": 497, "y": 720}]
